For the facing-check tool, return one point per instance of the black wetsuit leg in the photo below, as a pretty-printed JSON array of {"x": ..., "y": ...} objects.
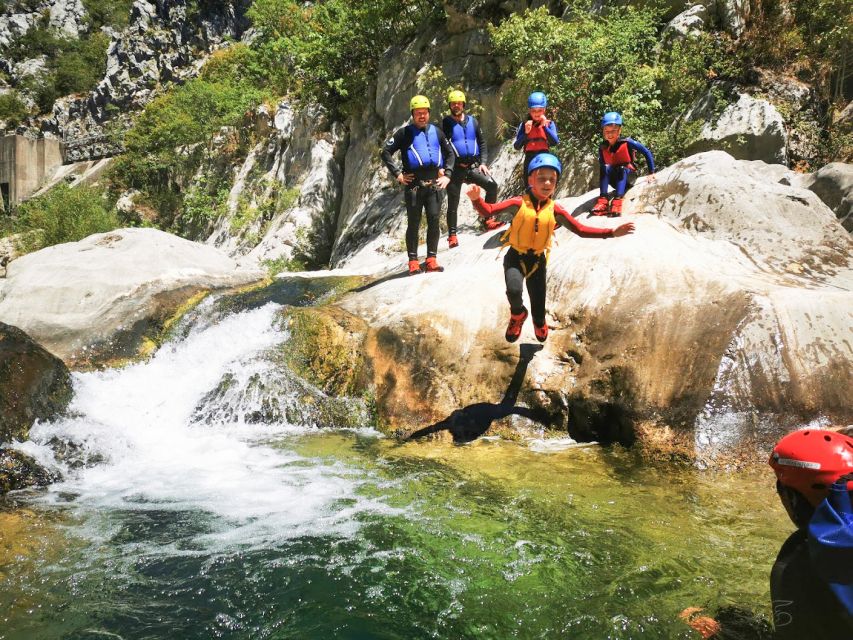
[
  {"x": 414, "y": 206},
  {"x": 454, "y": 189},
  {"x": 515, "y": 268},
  {"x": 528, "y": 156},
  {"x": 536, "y": 289},
  {"x": 432, "y": 205},
  {"x": 479, "y": 178},
  {"x": 514, "y": 279}
]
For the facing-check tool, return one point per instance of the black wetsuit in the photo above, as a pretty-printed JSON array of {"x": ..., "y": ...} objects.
[
  {"x": 465, "y": 170},
  {"x": 421, "y": 194},
  {"x": 804, "y": 608}
]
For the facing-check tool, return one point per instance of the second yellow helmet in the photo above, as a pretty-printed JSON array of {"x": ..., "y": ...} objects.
[{"x": 455, "y": 96}]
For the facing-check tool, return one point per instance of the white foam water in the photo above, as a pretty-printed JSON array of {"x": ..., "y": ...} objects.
[{"x": 136, "y": 423}]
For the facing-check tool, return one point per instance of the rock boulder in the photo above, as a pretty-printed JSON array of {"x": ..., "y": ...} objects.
[
  {"x": 101, "y": 296},
  {"x": 34, "y": 385},
  {"x": 833, "y": 184},
  {"x": 748, "y": 129},
  {"x": 727, "y": 317}
]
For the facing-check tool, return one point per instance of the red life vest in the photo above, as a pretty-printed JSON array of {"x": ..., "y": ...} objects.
[
  {"x": 621, "y": 157},
  {"x": 536, "y": 140}
]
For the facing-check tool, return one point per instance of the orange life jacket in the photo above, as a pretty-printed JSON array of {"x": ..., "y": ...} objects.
[{"x": 531, "y": 230}]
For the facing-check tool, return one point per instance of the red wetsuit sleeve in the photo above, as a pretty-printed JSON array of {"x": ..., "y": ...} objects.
[
  {"x": 487, "y": 210},
  {"x": 578, "y": 227}
]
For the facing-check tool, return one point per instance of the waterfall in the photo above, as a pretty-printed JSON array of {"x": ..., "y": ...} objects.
[{"x": 145, "y": 437}]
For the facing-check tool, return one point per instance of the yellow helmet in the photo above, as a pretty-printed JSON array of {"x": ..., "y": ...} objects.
[
  {"x": 455, "y": 96},
  {"x": 418, "y": 102}
]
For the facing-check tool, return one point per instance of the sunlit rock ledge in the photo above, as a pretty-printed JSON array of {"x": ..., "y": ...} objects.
[{"x": 725, "y": 320}]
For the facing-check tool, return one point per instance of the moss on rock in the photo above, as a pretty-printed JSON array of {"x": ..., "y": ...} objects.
[{"x": 325, "y": 348}]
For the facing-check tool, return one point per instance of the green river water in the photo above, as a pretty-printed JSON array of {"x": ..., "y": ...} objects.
[{"x": 486, "y": 540}]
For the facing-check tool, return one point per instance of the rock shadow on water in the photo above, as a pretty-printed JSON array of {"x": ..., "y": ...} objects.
[{"x": 471, "y": 422}]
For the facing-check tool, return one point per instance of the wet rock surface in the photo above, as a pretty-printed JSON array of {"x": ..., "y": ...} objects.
[
  {"x": 34, "y": 385},
  {"x": 726, "y": 317}
]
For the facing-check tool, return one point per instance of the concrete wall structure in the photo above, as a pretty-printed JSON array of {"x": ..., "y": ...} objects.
[{"x": 24, "y": 165}]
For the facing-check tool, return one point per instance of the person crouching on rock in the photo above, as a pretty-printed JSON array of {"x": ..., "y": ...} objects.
[
  {"x": 616, "y": 164},
  {"x": 427, "y": 167},
  {"x": 534, "y": 218}
]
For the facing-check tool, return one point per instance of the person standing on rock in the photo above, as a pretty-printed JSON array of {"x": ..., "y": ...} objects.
[
  {"x": 616, "y": 165},
  {"x": 534, "y": 218},
  {"x": 537, "y": 134},
  {"x": 471, "y": 164},
  {"x": 427, "y": 166}
]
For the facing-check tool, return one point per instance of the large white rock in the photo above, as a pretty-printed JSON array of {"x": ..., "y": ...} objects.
[
  {"x": 833, "y": 183},
  {"x": 728, "y": 312},
  {"x": 749, "y": 129},
  {"x": 98, "y": 296}
]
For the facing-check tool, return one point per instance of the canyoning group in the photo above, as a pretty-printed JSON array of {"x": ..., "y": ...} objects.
[
  {"x": 812, "y": 579},
  {"x": 443, "y": 158}
]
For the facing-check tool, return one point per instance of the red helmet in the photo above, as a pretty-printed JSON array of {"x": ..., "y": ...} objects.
[{"x": 811, "y": 460}]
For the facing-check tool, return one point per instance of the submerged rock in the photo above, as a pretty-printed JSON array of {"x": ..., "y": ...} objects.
[
  {"x": 19, "y": 471},
  {"x": 101, "y": 297}
]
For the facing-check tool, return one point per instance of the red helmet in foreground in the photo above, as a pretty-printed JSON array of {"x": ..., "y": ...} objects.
[{"x": 809, "y": 461}]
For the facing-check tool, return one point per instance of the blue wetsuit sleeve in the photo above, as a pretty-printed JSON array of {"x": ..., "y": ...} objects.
[
  {"x": 520, "y": 137},
  {"x": 392, "y": 145},
  {"x": 636, "y": 146},
  {"x": 551, "y": 134}
]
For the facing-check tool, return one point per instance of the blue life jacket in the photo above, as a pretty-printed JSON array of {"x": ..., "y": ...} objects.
[
  {"x": 464, "y": 139},
  {"x": 425, "y": 149},
  {"x": 831, "y": 542}
]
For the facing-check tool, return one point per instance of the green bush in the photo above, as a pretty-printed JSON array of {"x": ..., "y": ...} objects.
[
  {"x": 157, "y": 144},
  {"x": 65, "y": 214},
  {"x": 328, "y": 51},
  {"x": 114, "y": 13},
  {"x": 12, "y": 109},
  {"x": 590, "y": 64}
]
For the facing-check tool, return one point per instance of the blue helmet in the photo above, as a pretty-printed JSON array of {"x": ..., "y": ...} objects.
[
  {"x": 537, "y": 99},
  {"x": 545, "y": 160},
  {"x": 612, "y": 117}
]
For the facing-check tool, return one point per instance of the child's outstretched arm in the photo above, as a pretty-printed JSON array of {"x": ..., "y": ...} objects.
[
  {"x": 486, "y": 210},
  {"x": 570, "y": 222}
]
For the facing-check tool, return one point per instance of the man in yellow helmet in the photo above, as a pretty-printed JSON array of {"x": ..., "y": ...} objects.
[
  {"x": 471, "y": 165},
  {"x": 427, "y": 164}
]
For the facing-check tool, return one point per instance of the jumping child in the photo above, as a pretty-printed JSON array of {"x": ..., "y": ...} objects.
[{"x": 535, "y": 216}]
